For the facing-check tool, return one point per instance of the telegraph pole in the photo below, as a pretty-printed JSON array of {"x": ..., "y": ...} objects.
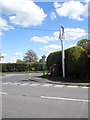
[{"x": 62, "y": 37}]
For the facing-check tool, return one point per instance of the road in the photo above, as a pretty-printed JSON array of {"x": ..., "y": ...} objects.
[{"x": 25, "y": 99}]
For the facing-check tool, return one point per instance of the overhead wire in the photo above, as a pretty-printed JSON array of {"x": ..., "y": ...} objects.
[{"x": 40, "y": 29}]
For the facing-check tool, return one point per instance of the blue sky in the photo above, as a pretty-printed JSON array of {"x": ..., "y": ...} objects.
[{"x": 16, "y": 40}]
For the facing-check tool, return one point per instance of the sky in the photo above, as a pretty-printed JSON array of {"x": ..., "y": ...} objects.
[{"x": 26, "y": 25}]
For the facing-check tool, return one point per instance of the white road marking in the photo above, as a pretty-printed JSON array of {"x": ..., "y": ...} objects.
[
  {"x": 47, "y": 85},
  {"x": 14, "y": 83},
  {"x": 84, "y": 87},
  {"x": 24, "y": 84},
  {"x": 58, "y": 85},
  {"x": 65, "y": 99},
  {"x": 34, "y": 85},
  {"x": 72, "y": 86},
  {"x": 7, "y": 83},
  {"x": 3, "y": 93}
]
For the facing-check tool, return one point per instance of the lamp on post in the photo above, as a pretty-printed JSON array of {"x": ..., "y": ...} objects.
[
  {"x": 43, "y": 58},
  {"x": 62, "y": 38}
]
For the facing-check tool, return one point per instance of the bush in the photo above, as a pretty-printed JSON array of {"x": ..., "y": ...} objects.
[
  {"x": 75, "y": 61},
  {"x": 22, "y": 67}
]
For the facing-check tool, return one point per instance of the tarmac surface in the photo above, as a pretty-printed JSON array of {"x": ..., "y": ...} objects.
[{"x": 23, "y": 98}]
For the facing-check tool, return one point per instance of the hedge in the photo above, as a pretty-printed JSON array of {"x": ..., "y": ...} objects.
[
  {"x": 14, "y": 67},
  {"x": 76, "y": 61}
]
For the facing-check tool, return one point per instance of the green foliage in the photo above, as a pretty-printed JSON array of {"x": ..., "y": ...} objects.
[
  {"x": 22, "y": 67},
  {"x": 85, "y": 43},
  {"x": 30, "y": 56},
  {"x": 75, "y": 61}
]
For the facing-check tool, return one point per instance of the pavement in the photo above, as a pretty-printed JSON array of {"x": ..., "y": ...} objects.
[{"x": 23, "y": 98}]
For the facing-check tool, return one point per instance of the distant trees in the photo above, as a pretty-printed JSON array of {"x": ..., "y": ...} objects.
[
  {"x": 85, "y": 43},
  {"x": 20, "y": 61},
  {"x": 30, "y": 56}
]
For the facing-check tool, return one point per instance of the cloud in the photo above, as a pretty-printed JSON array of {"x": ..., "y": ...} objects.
[
  {"x": 53, "y": 15},
  {"x": 72, "y": 9},
  {"x": 4, "y": 55},
  {"x": 68, "y": 45},
  {"x": 23, "y": 12},
  {"x": 18, "y": 53},
  {"x": 56, "y": 5},
  {"x": 50, "y": 48},
  {"x": 71, "y": 34},
  {"x": 4, "y": 26},
  {"x": 45, "y": 39}
]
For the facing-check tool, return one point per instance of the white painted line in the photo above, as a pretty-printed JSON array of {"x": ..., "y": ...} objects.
[
  {"x": 72, "y": 86},
  {"x": 65, "y": 99},
  {"x": 24, "y": 84},
  {"x": 84, "y": 87},
  {"x": 7, "y": 83},
  {"x": 3, "y": 93},
  {"x": 47, "y": 85},
  {"x": 34, "y": 85},
  {"x": 58, "y": 85},
  {"x": 12, "y": 83}
]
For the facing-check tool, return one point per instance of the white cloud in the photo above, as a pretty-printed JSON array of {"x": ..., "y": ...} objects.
[
  {"x": 4, "y": 26},
  {"x": 50, "y": 48},
  {"x": 12, "y": 60},
  {"x": 4, "y": 55},
  {"x": 71, "y": 34},
  {"x": 68, "y": 45},
  {"x": 53, "y": 15},
  {"x": 87, "y": 1},
  {"x": 56, "y": 5},
  {"x": 18, "y": 53},
  {"x": 45, "y": 39},
  {"x": 74, "y": 33},
  {"x": 0, "y": 33},
  {"x": 23, "y": 12},
  {"x": 72, "y": 9}
]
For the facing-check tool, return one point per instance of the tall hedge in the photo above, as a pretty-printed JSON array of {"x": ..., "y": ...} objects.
[{"x": 76, "y": 61}]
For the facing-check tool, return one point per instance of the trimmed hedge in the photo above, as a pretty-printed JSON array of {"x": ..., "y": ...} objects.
[
  {"x": 76, "y": 61},
  {"x": 14, "y": 67}
]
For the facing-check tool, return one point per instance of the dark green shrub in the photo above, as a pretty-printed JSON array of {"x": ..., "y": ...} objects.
[{"x": 75, "y": 61}]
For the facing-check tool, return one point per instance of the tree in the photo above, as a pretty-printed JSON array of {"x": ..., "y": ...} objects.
[
  {"x": 20, "y": 61},
  {"x": 30, "y": 56},
  {"x": 85, "y": 43}
]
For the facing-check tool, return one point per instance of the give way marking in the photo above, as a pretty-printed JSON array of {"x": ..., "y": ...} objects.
[{"x": 65, "y": 99}]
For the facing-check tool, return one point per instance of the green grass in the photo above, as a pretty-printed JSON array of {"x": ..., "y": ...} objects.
[{"x": 1, "y": 74}]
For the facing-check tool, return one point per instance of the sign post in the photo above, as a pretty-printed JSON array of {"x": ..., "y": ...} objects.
[
  {"x": 43, "y": 58},
  {"x": 62, "y": 37}
]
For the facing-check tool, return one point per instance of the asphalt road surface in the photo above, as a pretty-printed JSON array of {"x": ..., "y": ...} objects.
[{"x": 25, "y": 99}]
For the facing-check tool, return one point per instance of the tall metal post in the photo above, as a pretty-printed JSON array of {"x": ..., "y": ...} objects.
[
  {"x": 62, "y": 44},
  {"x": 43, "y": 58}
]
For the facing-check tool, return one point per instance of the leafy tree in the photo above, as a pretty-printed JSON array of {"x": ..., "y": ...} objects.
[
  {"x": 20, "y": 61},
  {"x": 30, "y": 56},
  {"x": 85, "y": 43}
]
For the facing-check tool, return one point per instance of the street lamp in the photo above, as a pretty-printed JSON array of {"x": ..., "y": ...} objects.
[
  {"x": 43, "y": 58},
  {"x": 62, "y": 37}
]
